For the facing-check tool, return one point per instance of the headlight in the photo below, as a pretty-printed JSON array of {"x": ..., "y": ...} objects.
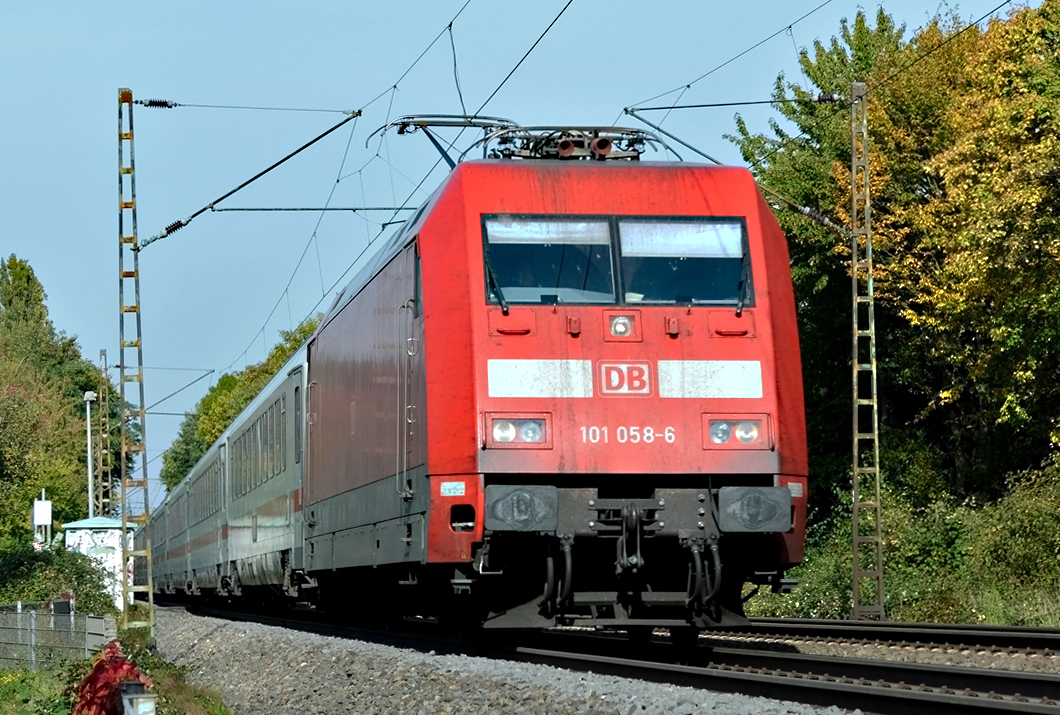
[
  {"x": 503, "y": 431},
  {"x": 621, "y": 326},
  {"x": 736, "y": 431},
  {"x": 531, "y": 430},
  {"x": 518, "y": 430},
  {"x": 747, "y": 431},
  {"x": 720, "y": 432}
]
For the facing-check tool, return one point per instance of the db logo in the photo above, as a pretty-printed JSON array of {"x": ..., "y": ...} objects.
[{"x": 625, "y": 378}]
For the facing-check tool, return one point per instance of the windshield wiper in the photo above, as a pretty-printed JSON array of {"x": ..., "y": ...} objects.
[
  {"x": 493, "y": 278},
  {"x": 742, "y": 285}
]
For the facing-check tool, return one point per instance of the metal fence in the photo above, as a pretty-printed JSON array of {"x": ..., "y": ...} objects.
[{"x": 33, "y": 635}]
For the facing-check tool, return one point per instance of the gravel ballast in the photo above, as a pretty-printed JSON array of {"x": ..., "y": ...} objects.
[{"x": 262, "y": 669}]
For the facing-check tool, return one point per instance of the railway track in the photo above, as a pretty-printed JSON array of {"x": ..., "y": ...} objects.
[
  {"x": 996, "y": 637},
  {"x": 874, "y": 686}
]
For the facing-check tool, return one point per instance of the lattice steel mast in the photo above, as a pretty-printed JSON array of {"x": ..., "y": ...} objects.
[
  {"x": 867, "y": 521},
  {"x": 103, "y": 486},
  {"x": 131, "y": 369}
]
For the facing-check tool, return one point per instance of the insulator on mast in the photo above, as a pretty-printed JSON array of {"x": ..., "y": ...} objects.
[
  {"x": 158, "y": 103},
  {"x": 174, "y": 227},
  {"x": 819, "y": 217}
]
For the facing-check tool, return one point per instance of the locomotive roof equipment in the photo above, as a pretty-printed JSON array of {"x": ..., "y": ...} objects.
[{"x": 513, "y": 141}]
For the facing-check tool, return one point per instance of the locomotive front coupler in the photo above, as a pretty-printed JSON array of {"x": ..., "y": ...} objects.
[
  {"x": 628, "y": 557},
  {"x": 703, "y": 586}
]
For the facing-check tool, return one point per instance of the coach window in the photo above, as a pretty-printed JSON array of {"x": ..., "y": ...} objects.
[
  {"x": 539, "y": 261},
  {"x": 255, "y": 444},
  {"x": 236, "y": 472},
  {"x": 275, "y": 438},
  {"x": 245, "y": 467},
  {"x": 267, "y": 443},
  {"x": 684, "y": 262}
]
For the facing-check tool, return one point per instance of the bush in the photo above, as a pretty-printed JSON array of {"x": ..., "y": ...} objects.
[
  {"x": 946, "y": 562},
  {"x": 28, "y": 575}
]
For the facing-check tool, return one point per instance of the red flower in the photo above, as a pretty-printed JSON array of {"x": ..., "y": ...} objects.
[{"x": 100, "y": 691}]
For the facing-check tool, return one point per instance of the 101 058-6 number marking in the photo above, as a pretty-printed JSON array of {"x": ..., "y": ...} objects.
[{"x": 628, "y": 434}]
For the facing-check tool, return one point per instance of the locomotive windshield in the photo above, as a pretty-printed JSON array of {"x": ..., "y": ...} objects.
[
  {"x": 546, "y": 260},
  {"x": 681, "y": 261},
  {"x": 551, "y": 261}
]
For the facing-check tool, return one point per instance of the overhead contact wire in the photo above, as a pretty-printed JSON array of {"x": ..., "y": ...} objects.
[
  {"x": 177, "y": 225},
  {"x": 517, "y": 64},
  {"x": 736, "y": 57},
  {"x": 439, "y": 160},
  {"x": 477, "y": 112},
  {"x": 311, "y": 241},
  {"x": 456, "y": 73},
  {"x": 313, "y": 236},
  {"x": 166, "y": 104},
  {"x": 798, "y": 57}
]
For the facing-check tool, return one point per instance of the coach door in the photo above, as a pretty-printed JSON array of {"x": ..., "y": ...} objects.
[
  {"x": 407, "y": 348},
  {"x": 312, "y": 411},
  {"x": 218, "y": 497}
]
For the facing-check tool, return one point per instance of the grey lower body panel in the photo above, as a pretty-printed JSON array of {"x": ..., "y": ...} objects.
[{"x": 368, "y": 526}]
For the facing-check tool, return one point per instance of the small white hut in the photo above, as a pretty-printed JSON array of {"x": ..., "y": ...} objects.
[{"x": 100, "y": 539}]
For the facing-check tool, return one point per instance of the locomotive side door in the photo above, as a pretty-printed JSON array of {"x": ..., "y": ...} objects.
[
  {"x": 408, "y": 348},
  {"x": 312, "y": 412}
]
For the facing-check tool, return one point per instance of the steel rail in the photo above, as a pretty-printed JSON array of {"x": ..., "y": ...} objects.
[
  {"x": 982, "y": 680},
  {"x": 941, "y": 633}
]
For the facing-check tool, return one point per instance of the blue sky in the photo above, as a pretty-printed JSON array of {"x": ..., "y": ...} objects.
[{"x": 209, "y": 291}]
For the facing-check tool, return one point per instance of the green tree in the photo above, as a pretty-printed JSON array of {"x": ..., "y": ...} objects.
[
  {"x": 986, "y": 308},
  {"x": 963, "y": 171},
  {"x": 42, "y": 430},
  {"x": 223, "y": 403},
  {"x": 41, "y": 447},
  {"x": 21, "y": 294},
  {"x": 185, "y": 451}
]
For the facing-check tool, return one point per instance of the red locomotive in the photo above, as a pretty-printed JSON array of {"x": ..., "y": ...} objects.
[{"x": 567, "y": 391}]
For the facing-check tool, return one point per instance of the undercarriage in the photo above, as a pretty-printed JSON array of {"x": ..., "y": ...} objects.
[{"x": 674, "y": 557}]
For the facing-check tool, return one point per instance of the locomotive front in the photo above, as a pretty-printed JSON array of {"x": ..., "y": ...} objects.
[{"x": 615, "y": 427}]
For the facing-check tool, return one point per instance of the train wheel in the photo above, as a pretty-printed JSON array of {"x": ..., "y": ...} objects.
[
  {"x": 639, "y": 634},
  {"x": 684, "y": 636},
  {"x": 462, "y": 621}
]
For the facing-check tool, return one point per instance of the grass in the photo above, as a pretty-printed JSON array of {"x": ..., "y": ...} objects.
[
  {"x": 53, "y": 690},
  {"x": 33, "y": 693},
  {"x": 176, "y": 696}
]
